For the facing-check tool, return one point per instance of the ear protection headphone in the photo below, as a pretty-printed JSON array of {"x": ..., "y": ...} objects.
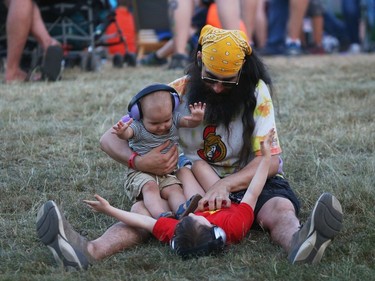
[
  {"x": 134, "y": 107},
  {"x": 216, "y": 245}
]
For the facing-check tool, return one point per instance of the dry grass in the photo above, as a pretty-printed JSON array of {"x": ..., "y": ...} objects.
[{"x": 49, "y": 150}]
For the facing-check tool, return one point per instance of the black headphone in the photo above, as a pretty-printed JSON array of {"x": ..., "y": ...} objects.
[
  {"x": 134, "y": 107},
  {"x": 215, "y": 246}
]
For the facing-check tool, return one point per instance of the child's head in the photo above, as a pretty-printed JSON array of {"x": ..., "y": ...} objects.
[
  {"x": 195, "y": 236},
  {"x": 157, "y": 111},
  {"x": 155, "y": 105}
]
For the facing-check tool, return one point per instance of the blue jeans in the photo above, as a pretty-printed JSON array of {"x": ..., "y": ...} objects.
[
  {"x": 351, "y": 10},
  {"x": 278, "y": 14},
  {"x": 346, "y": 30}
]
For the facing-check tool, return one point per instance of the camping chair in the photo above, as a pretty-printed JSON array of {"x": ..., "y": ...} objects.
[{"x": 152, "y": 24}]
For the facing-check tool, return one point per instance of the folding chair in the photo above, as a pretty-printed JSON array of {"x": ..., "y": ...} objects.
[{"x": 152, "y": 24}]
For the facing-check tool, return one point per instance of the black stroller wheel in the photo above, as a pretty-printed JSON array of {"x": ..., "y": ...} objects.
[
  {"x": 130, "y": 59},
  {"x": 117, "y": 61}
]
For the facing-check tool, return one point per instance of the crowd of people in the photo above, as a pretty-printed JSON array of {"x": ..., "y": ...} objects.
[{"x": 287, "y": 27}]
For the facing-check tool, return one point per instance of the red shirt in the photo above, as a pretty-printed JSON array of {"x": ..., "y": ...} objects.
[{"x": 235, "y": 221}]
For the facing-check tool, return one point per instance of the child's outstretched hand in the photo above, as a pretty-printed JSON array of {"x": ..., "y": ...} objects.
[
  {"x": 197, "y": 112},
  {"x": 121, "y": 127},
  {"x": 265, "y": 145},
  {"x": 99, "y": 206}
]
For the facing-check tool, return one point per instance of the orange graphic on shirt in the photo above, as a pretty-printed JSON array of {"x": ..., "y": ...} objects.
[
  {"x": 214, "y": 149},
  {"x": 264, "y": 109}
]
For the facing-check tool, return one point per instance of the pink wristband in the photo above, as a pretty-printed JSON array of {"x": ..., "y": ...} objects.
[{"x": 131, "y": 163}]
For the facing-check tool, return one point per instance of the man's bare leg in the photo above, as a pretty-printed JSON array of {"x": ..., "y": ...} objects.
[
  {"x": 305, "y": 243},
  {"x": 18, "y": 26},
  {"x": 118, "y": 237},
  {"x": 182, "y": 12},
  {"x": 297, "y": 11},
  {"x": 229, "y": 13},
  {"x": 278, "y": 217},
  {"x": 249, "y": 10},
  {"x": 39, "y": 30},
  {"x": 72, "y": 250}
]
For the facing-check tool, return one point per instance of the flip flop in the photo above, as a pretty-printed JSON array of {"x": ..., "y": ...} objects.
[{"x": 52, "y": 63}]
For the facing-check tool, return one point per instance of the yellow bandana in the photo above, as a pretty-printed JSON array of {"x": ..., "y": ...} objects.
[{"x": 223, "y": 51}]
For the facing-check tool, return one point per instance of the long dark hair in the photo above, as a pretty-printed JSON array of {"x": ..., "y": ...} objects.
[{"x": 253, "y": 70}]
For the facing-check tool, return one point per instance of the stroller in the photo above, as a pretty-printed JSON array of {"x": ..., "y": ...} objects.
[{"x": 81, "y": 28}]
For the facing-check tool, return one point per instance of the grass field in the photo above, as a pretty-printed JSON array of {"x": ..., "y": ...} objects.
[{"x": 50, "y": 150}]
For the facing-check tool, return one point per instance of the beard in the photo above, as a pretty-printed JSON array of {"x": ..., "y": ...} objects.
[{"x": 221, "y": 108}]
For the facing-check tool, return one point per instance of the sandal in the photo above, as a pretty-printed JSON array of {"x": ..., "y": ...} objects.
[
  {"x": 188, "y": 207},
  {"x": 167, "y": 214},
  {"x": 52, "y": 63}
]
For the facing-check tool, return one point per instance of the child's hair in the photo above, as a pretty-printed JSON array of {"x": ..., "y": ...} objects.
[{"x": 193, "y": 240}]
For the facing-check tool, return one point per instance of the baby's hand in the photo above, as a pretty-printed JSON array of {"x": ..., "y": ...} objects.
[
  {"x": 265, "y": 145},
  {"x": 121, "y": 127},
  {"x": 98, "y": 206},
  {"x": 197, "y": 111}
]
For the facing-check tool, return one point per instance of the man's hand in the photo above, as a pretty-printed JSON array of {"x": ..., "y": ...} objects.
[
  {"x": 216, "y": 197},
  {"x": 158, "y": 163}
]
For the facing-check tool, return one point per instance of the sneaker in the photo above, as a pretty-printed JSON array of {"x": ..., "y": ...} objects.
[
  {"x": 293, "y": 49},
  {"x": 310, "y": 241},
  {"x": 188, "y": 207},
  {"x": 268, "y": 51},
  {"x": 316, "y": 50},
  {"x": 152, "y": 60},
  {"x": 179, "y": 61},
  {"x": 57, "y": 234},
  {"x": 354, "y": 49}
]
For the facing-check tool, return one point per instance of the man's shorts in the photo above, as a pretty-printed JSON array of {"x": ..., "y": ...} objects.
[
  {"x": 315, "y": 8},
  {"x": 276, "y": 186},
  {"x": 135, "y": 180}
]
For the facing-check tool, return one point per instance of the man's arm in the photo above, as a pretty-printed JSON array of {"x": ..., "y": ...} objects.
[
  {"x": 218, "y": 194},
  {"x": 153, "y": 162}
]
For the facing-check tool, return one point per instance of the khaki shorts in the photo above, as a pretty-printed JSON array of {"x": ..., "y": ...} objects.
[{"x": 135, "y": 180}]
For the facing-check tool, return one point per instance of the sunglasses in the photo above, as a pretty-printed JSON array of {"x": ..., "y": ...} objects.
[{"x": 226, "y": 84}]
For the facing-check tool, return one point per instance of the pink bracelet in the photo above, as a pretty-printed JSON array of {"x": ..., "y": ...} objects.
[{"x": 131, "y": 163}]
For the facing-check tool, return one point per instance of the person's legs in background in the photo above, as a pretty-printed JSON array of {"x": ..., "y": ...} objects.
[
  {"x": 261, "y": 24},
  {"x": 314, "y": 44},
  {"x": 336, "y": 28},
  {"x": 19, "y": 11},
  {"x": 277, "y": 14},
  {"x": 229, "y": 13},
  {"x": 27, "y": 13},
  {"x": 297, "y": 11},
  {"x": 181, "y": 14},
  {"x": 352, "y": 15},
  {"x": 249, "y": 10}
]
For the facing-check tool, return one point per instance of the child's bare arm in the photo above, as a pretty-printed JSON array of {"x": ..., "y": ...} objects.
[
  {"x": 122, "y": 130},
  {"x": 196, "y": 117},
  {"x": 261, "y": 174},
  {"x": 129, "y": 218}
]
